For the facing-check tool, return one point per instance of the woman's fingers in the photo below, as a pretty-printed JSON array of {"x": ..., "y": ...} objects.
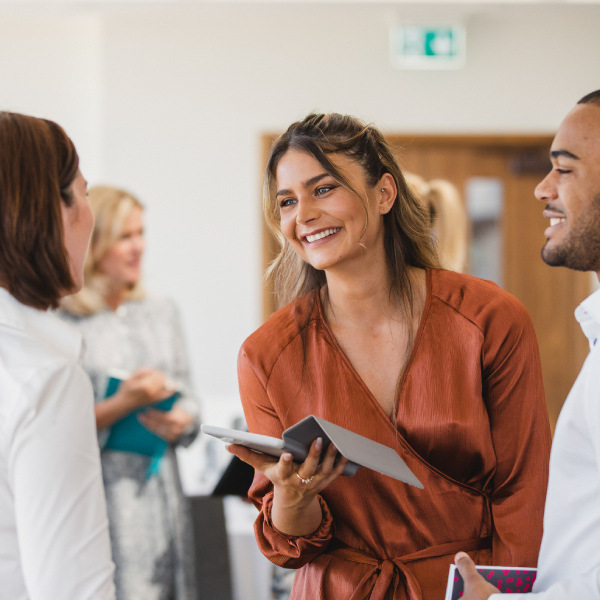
[
  {"x": 329, "y": 460},
  {"x": 326, "y": 470},
  {"x": 340, "y": 466},
  {"x": 158, "y": 422},
  {"x": 311, "y": 476},
  {"x": 261, "y": 462},
  {"x": 167, "y": 424},
  {"x": 285, "y": 466},
  {"x": 147, "y": 386},
  {"x": 309, "y": 467}
]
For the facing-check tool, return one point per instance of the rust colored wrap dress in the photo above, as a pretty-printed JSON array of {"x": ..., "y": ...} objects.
[{"x": 471, "y": 424}]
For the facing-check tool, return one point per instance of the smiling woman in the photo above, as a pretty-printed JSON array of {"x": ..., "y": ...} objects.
[{"x": 373, "y": 336}]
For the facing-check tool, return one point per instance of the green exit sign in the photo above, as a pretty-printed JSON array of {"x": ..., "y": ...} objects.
[{"x": 427, "y": 47}]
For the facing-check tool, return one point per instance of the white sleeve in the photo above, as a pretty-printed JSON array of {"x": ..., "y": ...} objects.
[
  {"x": 60, "y": 505},
  {"x": 585, "y": 586}
]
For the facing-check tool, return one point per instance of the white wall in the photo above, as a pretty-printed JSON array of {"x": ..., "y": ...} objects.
[
  {"x": 49, "y": 67},
  {"x": 170, "y": 100}
]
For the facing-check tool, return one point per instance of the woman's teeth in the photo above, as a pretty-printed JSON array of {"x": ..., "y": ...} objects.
[{"x": 321, "y": 234}]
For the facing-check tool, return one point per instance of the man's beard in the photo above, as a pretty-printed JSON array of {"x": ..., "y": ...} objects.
[{"x": 581, "y": 248}]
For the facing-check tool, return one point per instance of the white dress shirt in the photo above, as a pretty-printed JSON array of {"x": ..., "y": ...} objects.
[
  {"x": 569, "y": 561},
  {"x": 54, "y": 541}
]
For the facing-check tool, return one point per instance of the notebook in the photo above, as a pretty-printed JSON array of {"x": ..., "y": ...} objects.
[
  {"x": 128, "y": 434},
  {"x": 507, "y": 579}
]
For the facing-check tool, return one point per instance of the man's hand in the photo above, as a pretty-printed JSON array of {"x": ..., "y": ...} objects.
[{"x": 476, "y": 587}]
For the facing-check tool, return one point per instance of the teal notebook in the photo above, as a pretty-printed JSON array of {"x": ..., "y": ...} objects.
[{"x": 128, "y": 434}]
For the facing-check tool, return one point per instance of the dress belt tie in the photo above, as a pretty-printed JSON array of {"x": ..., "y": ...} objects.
[{"x": 384, "y": 570}]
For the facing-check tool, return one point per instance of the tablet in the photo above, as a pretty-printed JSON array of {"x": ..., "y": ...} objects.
[
  {"x": 261, "y": 443},
  {"x": 360, "y": 451}
]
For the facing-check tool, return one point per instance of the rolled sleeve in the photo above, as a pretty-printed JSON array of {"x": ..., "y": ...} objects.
[{"x": 291, "y": 551}]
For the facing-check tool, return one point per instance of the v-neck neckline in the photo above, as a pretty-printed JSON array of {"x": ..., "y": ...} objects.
[{"x": 414, "y": 350}]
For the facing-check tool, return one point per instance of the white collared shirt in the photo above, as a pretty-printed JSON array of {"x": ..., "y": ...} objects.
[
  {"x": 54, "y": 541},
  {"x": 569, "y": 561}
]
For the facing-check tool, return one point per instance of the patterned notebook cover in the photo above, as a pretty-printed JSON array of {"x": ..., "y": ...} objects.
[{"x": 507, "y": 579}]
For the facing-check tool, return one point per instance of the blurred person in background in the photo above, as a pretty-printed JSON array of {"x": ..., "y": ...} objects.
[
  {"x": 54, "y": 540},
  {"x": 139, "y": 334},
  {"x": 449, "y": 220}
]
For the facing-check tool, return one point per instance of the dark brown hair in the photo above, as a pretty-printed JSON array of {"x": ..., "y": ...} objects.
[
  {"x": 407, "y": 226},
  {"x": 38, "y": 163}
]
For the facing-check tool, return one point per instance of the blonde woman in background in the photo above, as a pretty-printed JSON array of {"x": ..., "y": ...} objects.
[
  {"x": 126, "y": 329},
  {"x": 449, "y": 220}
]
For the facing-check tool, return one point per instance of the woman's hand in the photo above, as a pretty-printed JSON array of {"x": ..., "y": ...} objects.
[
  {"x": 476, "y": 587},
  {"x": 169, "y": 425},
  {"x": 146, "y": 386},
  {"x": 296, "y": 510}
]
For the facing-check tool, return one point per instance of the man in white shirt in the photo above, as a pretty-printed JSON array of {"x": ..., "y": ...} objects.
[{"x": 569, "y": 561}]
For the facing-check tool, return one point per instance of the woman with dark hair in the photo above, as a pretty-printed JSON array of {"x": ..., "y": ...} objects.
[
  {"x": 53, "y": 525},
  {"x": 373, "y": 336}
]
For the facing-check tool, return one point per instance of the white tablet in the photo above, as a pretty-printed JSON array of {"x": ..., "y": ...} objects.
[{"x": 255, "y": 441}]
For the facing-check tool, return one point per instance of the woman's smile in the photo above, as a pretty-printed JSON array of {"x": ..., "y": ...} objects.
[{"x": 319, "y": 235}]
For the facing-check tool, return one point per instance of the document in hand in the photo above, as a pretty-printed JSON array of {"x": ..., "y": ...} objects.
[
  {"x": 128, "y": 434},
  {"x": 506, "y": 579},
  {"x": 359, "y": 450}
]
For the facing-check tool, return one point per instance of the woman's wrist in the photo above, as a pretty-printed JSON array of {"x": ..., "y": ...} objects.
[
  {"x": 125, "y": 400},
  {"x": 296, "y": 517},
  {"x": 287, "y": 498},
  {"x": 112, "y": 409}
]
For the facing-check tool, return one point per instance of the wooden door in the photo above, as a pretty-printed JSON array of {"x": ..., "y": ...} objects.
[{"x": 550, "y": 294}]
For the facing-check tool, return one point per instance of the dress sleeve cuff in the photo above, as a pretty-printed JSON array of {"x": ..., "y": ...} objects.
[{"x": 288, "y": 550}]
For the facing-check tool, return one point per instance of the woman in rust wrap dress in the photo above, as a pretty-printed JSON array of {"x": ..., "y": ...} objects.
[{"x": 442, "y": 367}]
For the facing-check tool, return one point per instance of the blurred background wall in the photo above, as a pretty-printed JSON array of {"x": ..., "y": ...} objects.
[
  {"x": 172, "y": 99},
  {"x": 169, "y": 99}
]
